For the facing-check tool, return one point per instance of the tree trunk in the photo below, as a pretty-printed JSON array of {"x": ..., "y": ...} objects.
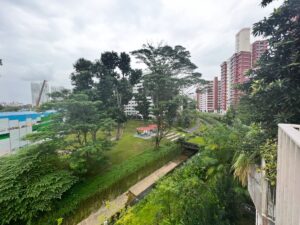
[
  {"x": 118, "y": 134},
  {"x": 94, "y": 136},
  {"x": 79, "y": 139},
  {"x": 85, "y": 137},
  {"x": 157, "y": 142}
]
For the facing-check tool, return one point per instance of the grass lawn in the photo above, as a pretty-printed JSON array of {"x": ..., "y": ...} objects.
[
  {"x": 128, "y": 146},
  {"x": 197, "y": 140}
]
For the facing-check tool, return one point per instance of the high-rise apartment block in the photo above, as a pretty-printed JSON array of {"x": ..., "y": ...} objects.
[
  {"x": 242, "y": 40},
  {"x": 224, "y": 77},
  {"x": 233, "y": 73},
  {"x": 205, "y": 97},
  {"x": 228, "y": 86},
  {"x": 208, "y": 96},
  {"x": 216, "y": 95},
  {"x": 240, "y": 63},
  {"x": 258, "y": 48}
]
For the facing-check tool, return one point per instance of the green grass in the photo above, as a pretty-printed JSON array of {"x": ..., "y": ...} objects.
[
  {"x": 87, "y": 196},
  {"x": 197, "y": 140},
  {"x": 128, "y": 146},
  {"x": 129, "y": 160}
]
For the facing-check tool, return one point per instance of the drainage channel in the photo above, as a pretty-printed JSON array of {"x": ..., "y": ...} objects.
[{"x": 111, "y": 210}]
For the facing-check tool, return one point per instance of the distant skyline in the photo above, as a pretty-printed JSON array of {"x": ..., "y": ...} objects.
[{"x": 42, "y": 39}]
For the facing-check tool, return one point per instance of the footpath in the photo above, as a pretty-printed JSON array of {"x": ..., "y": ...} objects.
[{"x": 110, "y": 208}]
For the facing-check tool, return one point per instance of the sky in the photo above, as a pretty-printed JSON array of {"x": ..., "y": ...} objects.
[{"x": 42, "y": 39}]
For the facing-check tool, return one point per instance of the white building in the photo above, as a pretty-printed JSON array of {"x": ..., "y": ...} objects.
[
  {"x": 242, "y": 40},
  {"x": 35, "y": 92},
  {"x": 130, "y": 108},
  {"x": 14, "y": 126}
]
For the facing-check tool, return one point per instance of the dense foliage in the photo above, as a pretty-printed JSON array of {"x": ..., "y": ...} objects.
[
  {"x": 272, "y": 93},
  {"x": 109, "y": 80},
  {"x": 169, "y": 70},
  {"x": 203, "y": 191},
  {"x": 88, "y": 195},
  {"x": 30, "y": 182}
]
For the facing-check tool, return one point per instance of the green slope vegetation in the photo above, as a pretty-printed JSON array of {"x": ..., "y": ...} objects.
[
  {"x": 88, "y": 195},
  {"x": 203, "y": 191}
]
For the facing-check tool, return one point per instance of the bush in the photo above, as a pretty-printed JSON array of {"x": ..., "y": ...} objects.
[
  {"x": 30, "y": 182},
  {"x": 87, "y": 196}
]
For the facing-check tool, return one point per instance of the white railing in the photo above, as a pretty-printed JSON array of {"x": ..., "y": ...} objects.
[{"x": 288, "y": 175}]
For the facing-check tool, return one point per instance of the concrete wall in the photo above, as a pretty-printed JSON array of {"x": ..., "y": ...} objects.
[
  {"x": 16, "y": 130},
  {"x": 288, "y": 175},
  {"x": 262, "y": 195}
]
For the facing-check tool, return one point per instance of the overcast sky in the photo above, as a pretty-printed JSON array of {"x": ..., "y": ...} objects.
[{"x": 41, "y": 39}]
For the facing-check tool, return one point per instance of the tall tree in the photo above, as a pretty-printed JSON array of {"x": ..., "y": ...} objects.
[
  {"x": 274, "y": 87},
  {"x": 143, "y": 103},
  {"x": 75, "y": 126},
  {"x": 170, "y": 69},
  {"x": 114, "y": 89},
  {"x": 82, "y": 78}
]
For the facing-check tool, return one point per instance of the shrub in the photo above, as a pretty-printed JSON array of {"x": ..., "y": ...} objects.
[{"x": 87, "y": 196}]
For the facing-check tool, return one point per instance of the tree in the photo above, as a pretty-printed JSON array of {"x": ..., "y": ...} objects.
[
  {"x": 75, "y": 126},
  {"x": 273, "y": 87},
  {"x": 170, "y": 69},
  {"x": 30, "y": 183},
  {"x": 85, "y": 159},
  {"x": 143, "y": 104},
  {"x": 82, "y": 78},
  {"x": 203, "y": 191},
  {"x": 114, "y": 89},
  {"x": 107, "y": 126},
  {"x": 59, "y": 95}
]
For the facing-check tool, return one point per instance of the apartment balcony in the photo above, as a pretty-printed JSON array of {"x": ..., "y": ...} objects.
[{"x": 288, "y": 175}]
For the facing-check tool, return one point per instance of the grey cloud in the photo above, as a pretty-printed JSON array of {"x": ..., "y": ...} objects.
[{"x": 42, "y": 39}]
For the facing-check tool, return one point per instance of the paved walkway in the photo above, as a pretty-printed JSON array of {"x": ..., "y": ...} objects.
[
  {"x": 112, "y": 207},
  {"x": 191, "y": 130},
  {"x": 173, "y": 136}
]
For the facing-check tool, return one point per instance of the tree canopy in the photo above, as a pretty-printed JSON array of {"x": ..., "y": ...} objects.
[
  {"x": 30, "y": 183},
  {"x": 273, "y": 90},
  {"x": 169, "y": 70}
]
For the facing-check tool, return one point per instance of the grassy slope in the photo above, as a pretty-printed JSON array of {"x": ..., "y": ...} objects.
[
  {"x": 130, "y": 160},
  {"x": 129, "y": 145}
]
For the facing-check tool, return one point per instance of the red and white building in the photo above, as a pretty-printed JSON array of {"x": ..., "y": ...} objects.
[
  {"x": 240, "y": 63},
  {"x": 233, "y": 71},
  {"x": 224, "y": 93},
  {"x": 216, "y": 95},
  {"x": 208, "y": 96},
  {"x": 258, "y": 48},
  {"x": 205, "y": 97},
  {"x": 224, "y": 84}
]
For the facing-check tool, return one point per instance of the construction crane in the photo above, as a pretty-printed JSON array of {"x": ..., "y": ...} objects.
[
  {"x": 40, "y": 94},
  {"x": 0, "y": 64}
]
